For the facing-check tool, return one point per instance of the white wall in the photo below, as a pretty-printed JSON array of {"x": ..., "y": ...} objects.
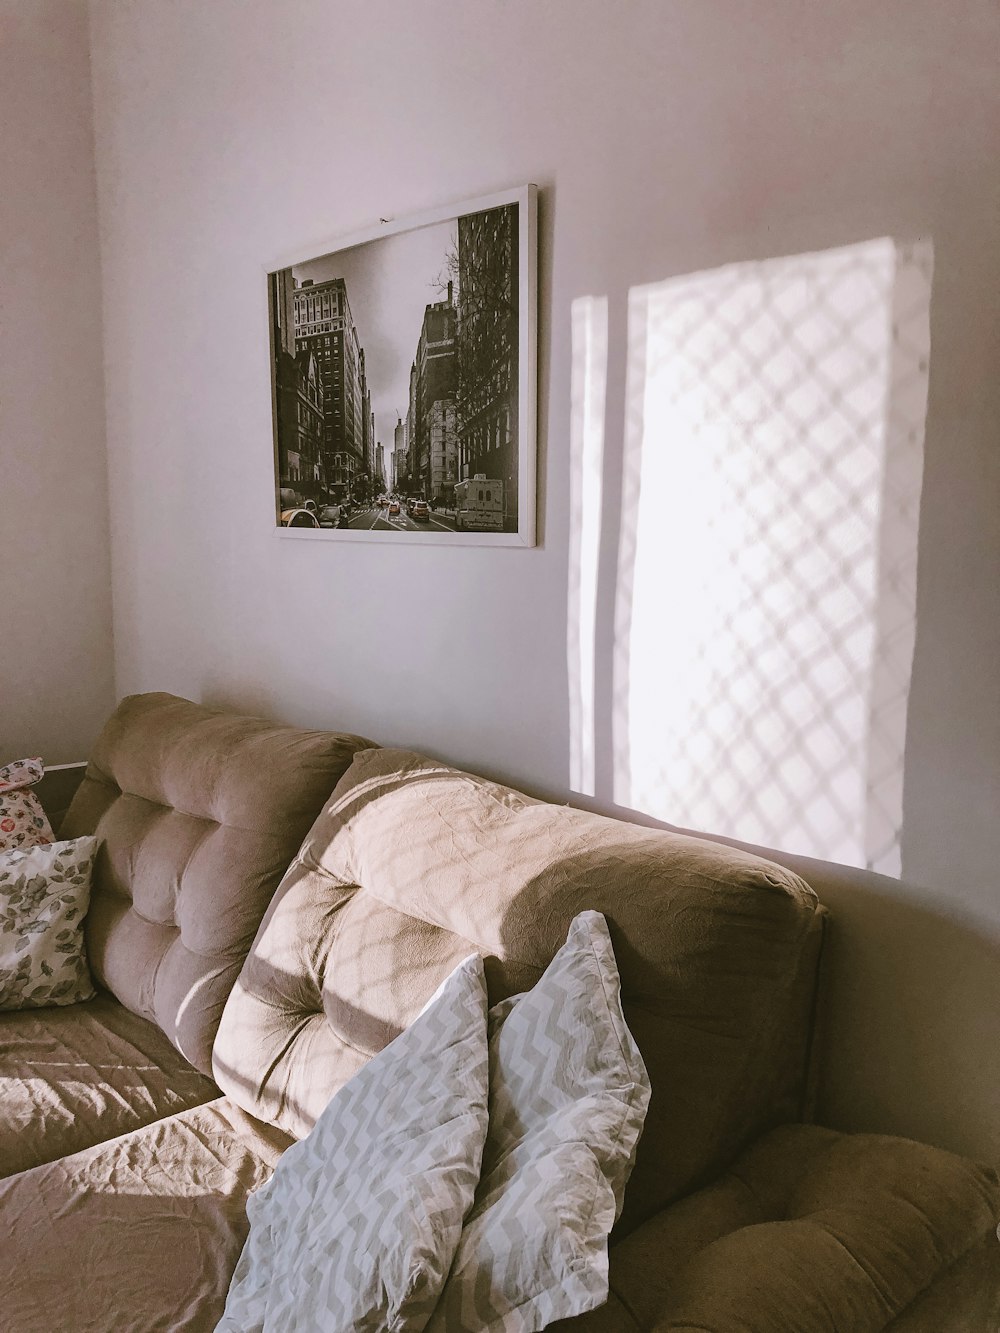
[
  {"x": 665, "y": 137},
  {"x": 55, "y": 641}
]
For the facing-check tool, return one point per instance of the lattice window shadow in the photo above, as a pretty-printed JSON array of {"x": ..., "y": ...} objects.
[{"x": 767, "y": 570}]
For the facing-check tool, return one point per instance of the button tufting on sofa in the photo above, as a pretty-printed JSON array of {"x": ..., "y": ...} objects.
[
  {"x": 199, "y": 813},
  {"x": 736, "y": 1218}
]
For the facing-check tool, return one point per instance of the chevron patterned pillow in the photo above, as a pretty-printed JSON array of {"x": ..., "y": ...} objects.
[
  {"x": 357, "y": 1228},
  {"x": 568, "y": 1097}
]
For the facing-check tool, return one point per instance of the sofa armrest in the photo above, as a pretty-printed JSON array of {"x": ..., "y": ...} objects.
[
  {"x": 966, "y": 1296},
  {"x": 57, "y": 788},
  {"x": 816, "y": 1230}
]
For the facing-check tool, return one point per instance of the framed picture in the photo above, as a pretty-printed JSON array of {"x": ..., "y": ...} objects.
[{"x": 403, "y": 380}]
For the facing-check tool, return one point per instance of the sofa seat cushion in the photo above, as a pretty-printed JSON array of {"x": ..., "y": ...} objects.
[
  {"x": 71, "y": 1077},
  {"x": 810, "y": 1231},
  {"x": 141, "y": 1233}
]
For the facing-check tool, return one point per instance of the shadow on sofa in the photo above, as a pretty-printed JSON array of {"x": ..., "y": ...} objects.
[
  {"x": 141, "y": 1232},
  {"x": 910, "y": 994},
  {"x": 928, "y": 986},
  {"x": 737, "y": 1216}
]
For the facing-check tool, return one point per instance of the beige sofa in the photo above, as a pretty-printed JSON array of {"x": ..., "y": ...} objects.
[
  {"x": 199, "y": 814},
  {"x": 127, "y": 1171}
]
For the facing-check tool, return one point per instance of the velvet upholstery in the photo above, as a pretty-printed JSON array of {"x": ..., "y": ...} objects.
[
  {"x": 812, "y": 1231},
  {"x": 412, "y": 864},
  {"x": 199, "y": 813},
  {"x": 57, "y": 789},
  {"x": 964, "y": 1298},
  {"x": 134, "y": 1235},
  {"x": 75, "y": 1076},
  {"x": 736, "y": 1222}
]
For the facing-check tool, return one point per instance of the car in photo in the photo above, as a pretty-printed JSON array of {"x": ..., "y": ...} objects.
[
  {"x": 333, "y": 516},
  {"x": 393, "y": 506},
  {"x": 298, "y": 518},
  {"x": 420, "y": 512},
  {"x": 479, "y": 504}
]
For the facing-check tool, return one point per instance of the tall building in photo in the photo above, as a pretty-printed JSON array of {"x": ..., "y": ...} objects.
[
  {"x": 398, "y": 466},
  {"x": 305, "y": 461},
  {"x": 411, "y": 427},
  {"x": 367, "y": 423},
  {"x": 324, "y": 325},
  {"x": 380, "y": 477},
  {"x": 488, "y": 319},
  {"x": 443, "y": 440},
  {"x": 398, "y": 454},
  {"x": 285, "y": 375},
  {"x": 433, "y": 384},
  {"x": 283, "y": 310}
]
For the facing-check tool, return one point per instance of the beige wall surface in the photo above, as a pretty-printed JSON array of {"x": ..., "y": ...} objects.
[
  {"x": 665, "y": 138},
  {"x": 55, "y": 642}
]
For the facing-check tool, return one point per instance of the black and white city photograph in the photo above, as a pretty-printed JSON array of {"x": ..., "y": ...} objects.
[{"x": 401, "y": 381}]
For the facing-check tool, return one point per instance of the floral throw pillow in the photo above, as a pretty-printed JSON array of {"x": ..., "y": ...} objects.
[
  {"x": 44, "y": 895},
  {"x": 22, "y": 819}
]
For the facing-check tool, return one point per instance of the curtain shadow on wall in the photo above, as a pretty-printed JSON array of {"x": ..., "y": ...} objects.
[{"x": 765, "y": 599}]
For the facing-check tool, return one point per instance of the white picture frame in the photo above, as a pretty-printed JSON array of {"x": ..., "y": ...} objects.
[{"x": 468, "y": 367}]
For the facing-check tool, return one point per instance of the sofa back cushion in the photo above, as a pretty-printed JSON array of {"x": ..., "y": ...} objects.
[
  {"x": 412, "y": 864},
  {"x": 199, "y": 813}
]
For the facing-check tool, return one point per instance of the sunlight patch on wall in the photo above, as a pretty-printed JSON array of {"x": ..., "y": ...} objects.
[
  {"x": 589, "y": 327},
  {"x": 767, "y": 567}
]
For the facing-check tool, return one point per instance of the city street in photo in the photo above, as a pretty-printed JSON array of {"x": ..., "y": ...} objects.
[{"x": 397, "y": 385}]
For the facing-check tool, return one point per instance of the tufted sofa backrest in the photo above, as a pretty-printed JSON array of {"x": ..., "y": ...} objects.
[
  {"x": 199, "y": 813},
  {"x": 413, "y": 865}
]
